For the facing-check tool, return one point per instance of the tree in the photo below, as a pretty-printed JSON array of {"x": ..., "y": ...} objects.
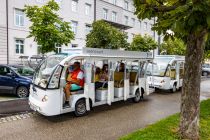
[
  {"x": 47, "y": 28},
  {"x": 173, "y": 46},
  {"x": 103, "y": 35},
  {"x": 144, "y": 44},
  {"x": 190, "y": 21}
]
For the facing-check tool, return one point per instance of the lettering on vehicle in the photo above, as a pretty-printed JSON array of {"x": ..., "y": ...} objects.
[{"x": 95, "y": 51}]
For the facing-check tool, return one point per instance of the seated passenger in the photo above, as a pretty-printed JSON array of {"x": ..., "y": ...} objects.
[
  {"x": 75, "y": 81},
  {"x": 97, "y": 81},
  {"x": 104, "y": 73},
  {"x": 97, "y": 74},
  {"x": 103, "y": 77},
  {"x": 122, "y": 67}
]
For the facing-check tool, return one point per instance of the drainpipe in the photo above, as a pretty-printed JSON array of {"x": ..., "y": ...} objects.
[
  {"x": 94, "y": 10},
  {"x": 7, "y": 22}
]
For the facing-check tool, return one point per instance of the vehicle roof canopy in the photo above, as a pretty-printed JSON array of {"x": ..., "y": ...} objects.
[
  {"x": 108, "y": 53},
  {"x": 174, "y": 57}
]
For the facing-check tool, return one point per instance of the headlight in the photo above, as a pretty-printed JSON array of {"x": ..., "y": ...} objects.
[{"x": 45, "y": 98}]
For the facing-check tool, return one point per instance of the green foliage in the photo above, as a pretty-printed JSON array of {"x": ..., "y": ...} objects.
[
  {"x": 103, "y": 35},
  {"x": 167, "y": 129},
  {"x": 47, "y": 28},
  {"x": 173, "y": 46},
  {"x": 142, "y": 43},
  {"x": 182, "y": 17}
]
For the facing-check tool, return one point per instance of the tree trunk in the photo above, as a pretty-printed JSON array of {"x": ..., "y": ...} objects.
[{"x": 190, "y": 98}]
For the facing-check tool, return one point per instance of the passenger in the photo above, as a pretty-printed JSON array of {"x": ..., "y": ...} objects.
[
  {"x": 97, "y": 74},
  {"x": 75, "y": 81},
  {"x": 122, "y": 67},
  {"x": 104, "y": 75},
  {"x": 97, "y": 80}
]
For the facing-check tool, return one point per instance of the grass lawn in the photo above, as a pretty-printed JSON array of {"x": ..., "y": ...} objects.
[{"x": 167, "y": 129}]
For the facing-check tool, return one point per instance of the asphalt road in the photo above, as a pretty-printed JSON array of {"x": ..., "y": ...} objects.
[{"x": 103, "y": 123}]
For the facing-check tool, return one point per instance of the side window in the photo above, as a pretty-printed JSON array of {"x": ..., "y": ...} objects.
[
  {"x": 173, "y": 70},
  {"x": 143, "y": 68},
  {"x": 181, "y": 70},
  {"x": 4, "y": 71},
  {"x": 54, "y": 81}
]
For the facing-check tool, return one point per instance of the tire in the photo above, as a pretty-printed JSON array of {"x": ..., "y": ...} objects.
[
  {"x": 80, "y": 108},
  {"x": 142, "y": 94},
  {"x": 173, "y": 89},
  {"x": 22, "y": 92},
  {"x": 137, "y": 97},
  {"x": 205, "y": 73}
]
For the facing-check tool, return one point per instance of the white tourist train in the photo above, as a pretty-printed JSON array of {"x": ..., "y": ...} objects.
[
  {"x": 47, "y": 92},
  {"x": 166, "y": 72}
]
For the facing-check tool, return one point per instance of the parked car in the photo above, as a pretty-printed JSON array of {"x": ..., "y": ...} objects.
[
  {"x": 205, "y": 69},
  {"x": 23, "y": 70},
  {"x": 13, "y": 83}
]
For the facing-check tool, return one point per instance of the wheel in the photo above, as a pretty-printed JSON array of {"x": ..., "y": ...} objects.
[
  {"x": 22, "y": 92},
  {"x": 137, "y": 97},
  {"x": 204, "y": 73},
  {"x": 80, "y": 108},
  {"x": 174, "y": 88}
]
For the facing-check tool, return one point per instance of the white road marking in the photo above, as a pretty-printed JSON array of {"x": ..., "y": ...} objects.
[{"x": 16, "y": 117}]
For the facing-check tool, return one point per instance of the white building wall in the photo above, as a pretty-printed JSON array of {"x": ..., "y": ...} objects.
[
  {"x": 66, "y": 13},
  {"x": 3, "y": 34}
]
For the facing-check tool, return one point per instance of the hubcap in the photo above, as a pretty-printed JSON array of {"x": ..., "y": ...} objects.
[
  {"x": 205, "y": 74},
  {"x": 22, "y": 92},
  {"x": 137, "y": 96},
  {"x": 81, "y": 108}
]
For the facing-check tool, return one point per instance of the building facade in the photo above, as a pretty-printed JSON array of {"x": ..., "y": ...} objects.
[{"x": 81, "y": 14}]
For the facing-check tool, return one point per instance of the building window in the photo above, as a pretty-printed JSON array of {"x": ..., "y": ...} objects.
[
  {"x": 19, "y": 17},
  {"x": 74, "y": 5},
  {"x": 114, "y": 2},
  {"x": 139, "y": 24},
  {"x": 114, "y": 16},
  {"x": 88, "y": 28},
  {"x": 74, "y": 25},
  {"x": 151, "y": 26},
  {"x": 40, "y": 1},
  {"x": 133, "y": 9},
  {"x": 74, "y": 45},
  {"x": 87, "y": 9},
  {"x": 145, "y": 25},
  {"x": 105, "y": 13},
  {"x": 126, "y": 5},
  {"x": 133, "y": 22},
  {"x": 58, "y": 49},
  {"x": 19, "y": 45},
  {"x": 126, "y": 20}
]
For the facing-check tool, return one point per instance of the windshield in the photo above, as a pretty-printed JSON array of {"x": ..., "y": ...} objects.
[
  {"x": 158, "y": 67},
  {"x": 24, "y": 71},
  {"x": 45, "y": 70}
]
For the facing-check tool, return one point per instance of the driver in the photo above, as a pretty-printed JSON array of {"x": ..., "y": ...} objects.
[{"x": 75, "y": 81}]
